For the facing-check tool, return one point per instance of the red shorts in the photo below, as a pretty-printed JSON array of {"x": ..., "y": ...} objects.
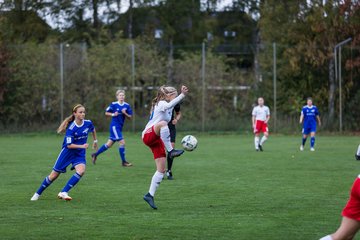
[
  {"x": 352, "y": 208},
  {"x": 261, "y": 126},
  {"x": 155, "y": 143}
]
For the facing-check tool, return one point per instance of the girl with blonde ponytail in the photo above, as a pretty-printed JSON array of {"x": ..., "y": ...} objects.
[
  {"x": 156, "y": 134},
  {"x": 76, "y": 129}
]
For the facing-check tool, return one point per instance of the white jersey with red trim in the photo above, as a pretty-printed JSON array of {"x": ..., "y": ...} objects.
[
  {"x": 261, "y": 113},
  {"x": 162, "y": 112}
]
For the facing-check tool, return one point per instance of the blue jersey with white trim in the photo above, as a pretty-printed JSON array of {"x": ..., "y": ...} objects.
[
  {"x": 78, "y": 134},
  {"x": 310, "y": 114},
  {"x": 119, "y": 120}
]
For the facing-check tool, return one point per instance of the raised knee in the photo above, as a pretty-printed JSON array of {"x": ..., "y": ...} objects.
[{"x": 163, "y": 123}]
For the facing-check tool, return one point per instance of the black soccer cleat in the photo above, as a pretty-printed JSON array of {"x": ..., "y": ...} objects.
[
  {"x": 260, "y": 147},
  {"x": 169, "y": 175},
  {"x": 175, "y": 153},
  {"x": 150, "y": 200},
  {"x": 357, "y": 157}
]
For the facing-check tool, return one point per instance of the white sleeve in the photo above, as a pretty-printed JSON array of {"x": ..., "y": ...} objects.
[
  {"x": 254, "y": 111},
  {"x": 163, "y": 105},
  {"x": 268, "y": 111}
]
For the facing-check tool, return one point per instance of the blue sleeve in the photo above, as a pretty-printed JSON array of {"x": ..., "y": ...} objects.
[
  {"x": 91, "y": 127},
  {"x": 129, "y": 110},
  {"x": 110, "y": 109},
  {"x": 69, "y": 137},
  {"x": 317, "y": 112}
]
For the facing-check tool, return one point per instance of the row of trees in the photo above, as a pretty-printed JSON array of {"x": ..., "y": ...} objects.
[{"x": 99, "y": 57}]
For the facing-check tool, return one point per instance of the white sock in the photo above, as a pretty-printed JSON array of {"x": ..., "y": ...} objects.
[
  {"x": 257, "y": 139},
  {"x": 358, "y": 151},
  {"x": 155, "y": 182},
  {"x": 165, "y": 137},
  {"x": 263, "y": 139},
  {"x": 328, "y": 237}
]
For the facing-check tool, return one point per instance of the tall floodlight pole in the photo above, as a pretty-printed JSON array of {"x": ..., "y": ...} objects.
[
  {"x": 203, "y": 63},
  {"x": 61, "y": 81},
  {"x": 133, "y": 83},
  {"x": 274, "y": 84},
  {"x": 339, "y": 77}
]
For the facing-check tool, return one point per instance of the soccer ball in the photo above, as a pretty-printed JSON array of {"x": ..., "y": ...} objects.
[{"x": 189, "y": 142}]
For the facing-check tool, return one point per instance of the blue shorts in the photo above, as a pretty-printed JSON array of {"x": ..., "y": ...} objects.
[
  {"x": 116, "y": 134},
  {"x": 67, "y": 157},
  {"x": 307, "y": 129}
]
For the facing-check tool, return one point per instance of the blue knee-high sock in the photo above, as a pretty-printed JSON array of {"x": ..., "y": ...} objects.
[
  {"x": 312, "y": 142},
  {"x": 72, "y": 182},
  {"x": 303, "y": 141},
  {"x": 44, "y": 185},
  {"x": 122, "y": 153},
  {"x": 102, "y": 149}
]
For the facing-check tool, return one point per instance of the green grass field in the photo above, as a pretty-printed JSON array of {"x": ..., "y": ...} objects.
[{"x": 223, "y": 190}]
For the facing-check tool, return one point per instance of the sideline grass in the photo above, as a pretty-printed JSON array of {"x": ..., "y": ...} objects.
[{"x": 223, "y": 190}]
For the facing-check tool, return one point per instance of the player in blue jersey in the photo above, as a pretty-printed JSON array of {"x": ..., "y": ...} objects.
[
  {"x": 73, "y": 151},
  {"x": 309, "y": 116},
  {"x": 118, "y": 111}
]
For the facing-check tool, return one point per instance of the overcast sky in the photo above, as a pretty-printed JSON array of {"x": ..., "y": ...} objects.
[{"x": 60, "y": 23}]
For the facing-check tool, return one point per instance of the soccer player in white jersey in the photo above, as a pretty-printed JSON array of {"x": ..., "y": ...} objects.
[
  {"x": 260, "y": 118},
  {"x": 156, "y": 134}
]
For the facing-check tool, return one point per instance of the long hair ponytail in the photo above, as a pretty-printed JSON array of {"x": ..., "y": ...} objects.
[
  {"x": 162, "y": 93},
  {"x": 63, "y": 126}
]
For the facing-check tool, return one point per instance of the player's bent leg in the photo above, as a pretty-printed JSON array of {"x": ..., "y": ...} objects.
[
  {"x": 110, "y": 143},
  {"x": 46, "y": 183},
  {"x": 158, "y": 126},
  {"x": 53, "y": 175},
  {"x": 161, "y": 129},
  {"x": 347, "y": 229},
  {"x": 124, "y": 163},
  {"x": 102, "y": 149},
  {"x": 80, "y": 171},
  {"x": 263, "y": 139}
]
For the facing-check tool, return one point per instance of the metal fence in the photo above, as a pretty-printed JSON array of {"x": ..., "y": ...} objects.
[{"x": 46, "y": 80}]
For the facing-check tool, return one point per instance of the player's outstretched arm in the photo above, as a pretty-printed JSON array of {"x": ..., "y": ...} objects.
[{"x": 172, "y": 103}]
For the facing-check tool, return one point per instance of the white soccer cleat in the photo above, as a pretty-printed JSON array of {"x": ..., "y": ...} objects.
[
  {"x": 65, "y": 196},
  {"x": 35, "y": 197},
  {"x": 301, "y": 148},
  {"x": 312, "y": 149}
]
